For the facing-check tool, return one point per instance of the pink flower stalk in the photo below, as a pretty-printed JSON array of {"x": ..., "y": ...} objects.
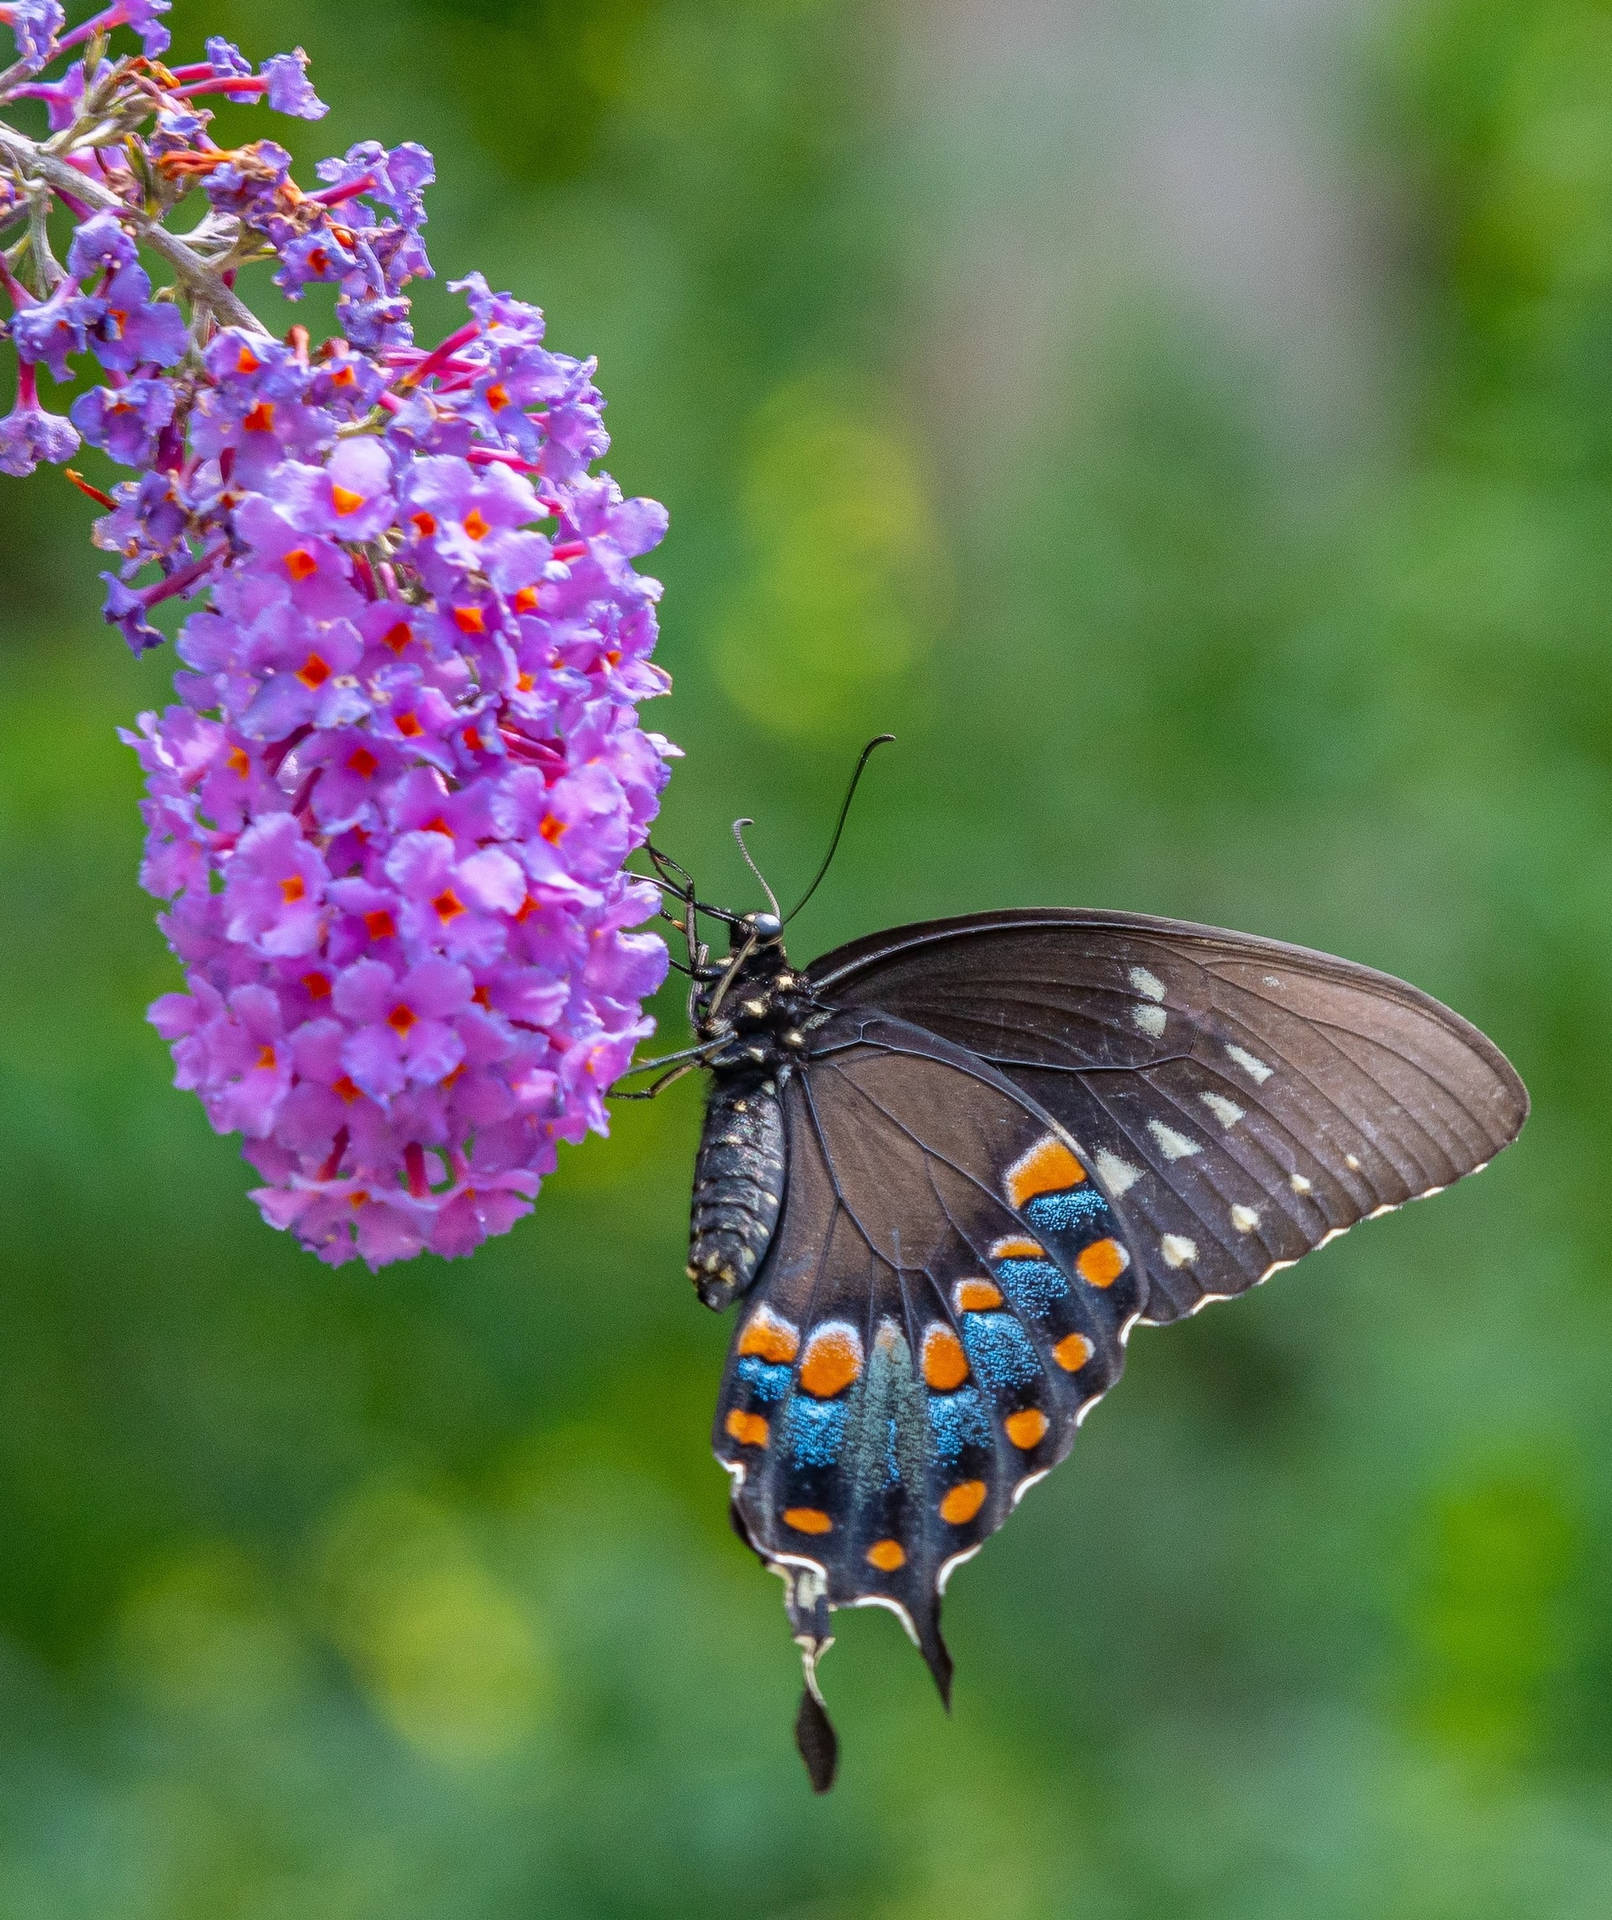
[{"x": 389, "y": 811}]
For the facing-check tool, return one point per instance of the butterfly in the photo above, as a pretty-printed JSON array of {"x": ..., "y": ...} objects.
[{"x": 946, "y": 1169}]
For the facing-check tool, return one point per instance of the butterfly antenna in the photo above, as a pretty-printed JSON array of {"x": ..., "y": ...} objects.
[
  {"x": 772, "y": 898},
  {"x": 839, "y": 825}
]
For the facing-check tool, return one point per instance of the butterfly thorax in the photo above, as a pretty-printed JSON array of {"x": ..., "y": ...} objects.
[{"x": 754, "y": 1015}]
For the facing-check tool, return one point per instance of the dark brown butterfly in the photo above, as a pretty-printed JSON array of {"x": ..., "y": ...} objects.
[{"x": 947, "y": 1168}]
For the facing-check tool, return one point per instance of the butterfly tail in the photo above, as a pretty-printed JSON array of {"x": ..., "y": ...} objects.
[
  {"x": 814, "y": 1734},
  {"x": 936, "y": 1656}
]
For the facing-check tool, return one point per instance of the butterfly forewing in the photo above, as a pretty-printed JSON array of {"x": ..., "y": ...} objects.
[
  {"x": 947, "y": 1293},
  {"x": 1241, "y": 1100}
]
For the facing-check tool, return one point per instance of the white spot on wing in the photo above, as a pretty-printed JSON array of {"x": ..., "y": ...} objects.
[
  {"x": 1351, "y": 1162},
  {"x": 1173, "y": 1145},
  {"x": 893, "y": 1606},
  {"x": 1227, "y": 1112},
  {"x": 1244, "y": 1219},
  {"x": 1147, "y": 984},
  {"x": 1298, "y": 1183},
  {"x": 1178, "y": 1250},
  {"x": 1029, "y": 1480},
  {"x": 1251, "y": 1064},
  {"x": 1151, "y": 1020},
  {"x": 948, "y": 1567},
  {"x": 811, "y": 1583},
  {"x": 1116, "y": 1174}
]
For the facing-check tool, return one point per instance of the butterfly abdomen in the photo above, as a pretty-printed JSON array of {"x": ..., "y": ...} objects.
[{"x": 738, "y": 1186}]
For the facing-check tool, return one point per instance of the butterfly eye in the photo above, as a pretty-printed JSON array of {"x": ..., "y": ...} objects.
[{"x": 765, "y": 926}]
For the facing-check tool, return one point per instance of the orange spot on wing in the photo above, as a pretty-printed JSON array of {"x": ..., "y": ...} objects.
[
  {"x": 1026, "y": 1429},
  {"x": 808, "y": 1520},
  {"x": 1072, "y": 1352},
  {"x": 887, "y": 1555},
  {"x": 1016, "y": 1247},
  {"x": 1049, "y": 1167},
  {"x": 959, "y": 1506},
  {"x": 749, "y": 1429},
  {"x": 769, "y": 1338},
  {"x": 945, "y": 1364},
  {"x": 832, "y": 1360},
  {"x": 976, "y": 1296},
  {"x": 1102, "y": 1263}
]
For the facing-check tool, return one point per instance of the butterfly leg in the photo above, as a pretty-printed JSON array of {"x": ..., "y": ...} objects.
[{"x": 660, "y": 1085}]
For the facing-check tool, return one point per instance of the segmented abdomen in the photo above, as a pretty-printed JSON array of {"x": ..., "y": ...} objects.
[{"x": 738, "y": 1187}]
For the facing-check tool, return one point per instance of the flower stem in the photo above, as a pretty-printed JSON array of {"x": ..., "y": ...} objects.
[{"x": 29, "y": 160}]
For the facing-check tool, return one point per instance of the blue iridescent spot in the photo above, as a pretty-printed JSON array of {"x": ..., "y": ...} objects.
[
  {"x": 892, "y": 1455},
  {"x": 767, "y": 1382},
  {"x": 814, "y": 1430},
  {"x": 1031, "y": 1285},
  {"x": 958, "y": 1420},
  {"x": 1078, "y": 1210},
  {"x": 999, "y": 1350}
]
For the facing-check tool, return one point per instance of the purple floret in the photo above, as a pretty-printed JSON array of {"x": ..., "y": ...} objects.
[
  {"x": 125, "y": 421},
  {"x": 132, "y": 329},
  {"x": 289, "y": 91},
  {"x": 35, "y": 25},
  {"x": 28, "y": 435},
  {"x": 49, "y": 330}
]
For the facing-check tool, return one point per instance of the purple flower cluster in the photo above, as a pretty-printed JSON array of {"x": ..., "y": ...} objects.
[{"x": 389, "y": 812}]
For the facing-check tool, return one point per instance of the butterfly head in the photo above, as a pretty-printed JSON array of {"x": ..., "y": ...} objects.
[{"x": 760, "y": 929}]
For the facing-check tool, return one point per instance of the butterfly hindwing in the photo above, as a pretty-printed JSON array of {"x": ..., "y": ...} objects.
[
  {"x": 1241, "y": 1100},
  {"x": 946, "y": 1295}
]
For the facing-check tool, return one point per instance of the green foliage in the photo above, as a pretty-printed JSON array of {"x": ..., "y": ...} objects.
[{"x": 1198, "y": 448}]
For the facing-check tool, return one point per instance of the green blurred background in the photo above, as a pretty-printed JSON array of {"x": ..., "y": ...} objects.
[{"x": 1188, "y": 425}]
